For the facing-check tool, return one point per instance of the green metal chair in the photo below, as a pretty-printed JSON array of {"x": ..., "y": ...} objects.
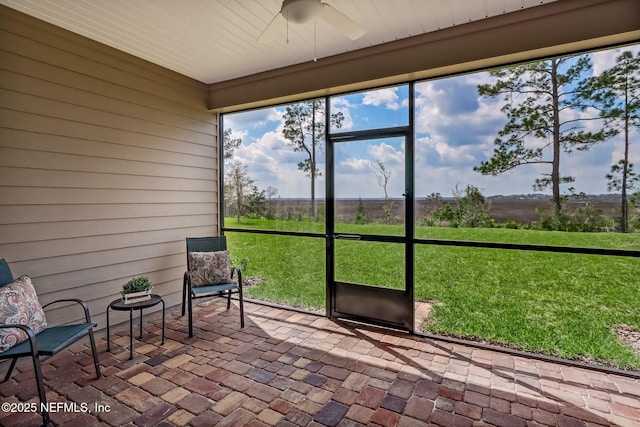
[
  {"x": 46, "y": 343},
  {"x": 189, "y": 292}
]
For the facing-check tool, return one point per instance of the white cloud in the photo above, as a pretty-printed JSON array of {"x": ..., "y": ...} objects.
[
  {"x": 353, "y": 165},
  {"x": 252, "y": 119},
  {"x": 387, "y": 97},
  {"x": 387, "y": 154},
  {"x": 606, "y": 59}
]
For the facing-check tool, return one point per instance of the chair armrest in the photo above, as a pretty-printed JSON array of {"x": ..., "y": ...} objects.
[
  {"x": 27, "y": 330},
  {"x": 87, "y": 316},
  {"x": 237, "y": 270}
]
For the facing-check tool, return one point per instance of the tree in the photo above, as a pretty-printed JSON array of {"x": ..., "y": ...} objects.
[
  {"x": 242, "y": 195},
  {"x": 634, "y": 204},
  {"x": 270, "y": 193},
  {"x": 616, "y": 94},
  {"x": 623, "y": 179},
  {"x": 539, "y": 98},
  {"x": 236, "y": 183},
  {"x": 230, "y": 144},
  {"x": 304, "y": 129},
  {"x": 383, "y": 175}
]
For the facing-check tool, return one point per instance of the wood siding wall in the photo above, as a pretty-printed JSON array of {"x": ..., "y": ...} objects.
[{"x": 107, "y": 163}]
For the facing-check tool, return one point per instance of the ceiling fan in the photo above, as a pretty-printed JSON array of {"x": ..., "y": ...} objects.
[{"x": 303, "y": 11}]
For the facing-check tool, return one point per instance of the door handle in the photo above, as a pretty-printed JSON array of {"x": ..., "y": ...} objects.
[{"x": 348, "y": 236}]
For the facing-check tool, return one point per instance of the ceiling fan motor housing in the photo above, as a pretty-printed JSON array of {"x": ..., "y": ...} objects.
[{"x": 301, "y": 11}]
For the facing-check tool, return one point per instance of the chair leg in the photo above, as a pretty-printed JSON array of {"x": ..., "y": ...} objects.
[
  {"x": 241, "y": 308},
  {"x": 184, "y": 293},
  {"x": 190, "y": 308},
  {"x": 94, "y": 351},
  {"x": 41, "y": 393},
  {"x": 10, "y": 371},
  {"x": 229, "y": 299}
]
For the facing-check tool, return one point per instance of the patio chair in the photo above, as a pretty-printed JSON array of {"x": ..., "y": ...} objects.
[
  {"x": 209, "y": 274},
  {"x": 19, "y": 305}
]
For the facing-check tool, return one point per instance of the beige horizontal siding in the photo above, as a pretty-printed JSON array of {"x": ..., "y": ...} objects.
[
  {"x": 107, "y": 163},
  {"x": 90, "y": 60},
  {"x": 87, "y": 212},
  {"x": 111, "y": 134},
  {"x": 97, "y": 156}
]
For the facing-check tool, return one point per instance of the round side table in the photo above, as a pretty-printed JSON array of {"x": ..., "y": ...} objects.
[{"x": 119, "y": 305}]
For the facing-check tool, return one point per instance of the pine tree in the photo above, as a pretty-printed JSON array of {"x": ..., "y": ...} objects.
[
  {"x": 304, "y": 129},
  {"x": 616, "y": 94},
  {"x": 539, "y": 98}
]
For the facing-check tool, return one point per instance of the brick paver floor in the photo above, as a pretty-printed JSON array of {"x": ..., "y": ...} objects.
[{"x": 291, "y": 369}]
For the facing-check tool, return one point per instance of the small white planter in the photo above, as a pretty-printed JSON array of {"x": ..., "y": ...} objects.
[{"x": 136, "y": 297}]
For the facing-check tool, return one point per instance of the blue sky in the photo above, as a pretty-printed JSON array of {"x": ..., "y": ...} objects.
[{"x": 455, "y": 131}]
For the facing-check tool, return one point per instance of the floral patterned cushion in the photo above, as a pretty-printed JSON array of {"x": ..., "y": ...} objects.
[
  {"x": 210, "y": 268},
  {"x": 19, "y": 305}
]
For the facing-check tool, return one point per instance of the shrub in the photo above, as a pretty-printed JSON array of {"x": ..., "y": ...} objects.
[
  {"x": 362, "y": 217},
  {"x": 473, "y": 208},
  {"x": 586, "y": 218},
  {"x": 444, "y": 213},
  {"x": 137, "y": 284},
  {"x": 511, "y": 224}
]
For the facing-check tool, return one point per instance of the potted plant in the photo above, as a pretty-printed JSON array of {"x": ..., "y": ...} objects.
[{"x": 136, "y": 290}]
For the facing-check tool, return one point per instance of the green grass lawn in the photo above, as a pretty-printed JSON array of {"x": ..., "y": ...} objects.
[{"x": 554, "y": 303}]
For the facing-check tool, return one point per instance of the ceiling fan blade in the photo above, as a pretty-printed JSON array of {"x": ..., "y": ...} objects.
[
  {"x": 341, "y": 22},
  {"x": 275, "y": 27}
]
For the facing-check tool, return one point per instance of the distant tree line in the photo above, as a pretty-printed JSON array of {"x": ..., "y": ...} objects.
[{"x": 470, "y": 208}]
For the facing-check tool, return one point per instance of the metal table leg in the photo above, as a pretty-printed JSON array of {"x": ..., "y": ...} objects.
[
  {"x": 121, "y": 306},
  {"x": 162, "y": 322},
  {"x": 140, "y": 336},
  {"x": 108, "y": 336},
  {"x": 130, "y": 334}
]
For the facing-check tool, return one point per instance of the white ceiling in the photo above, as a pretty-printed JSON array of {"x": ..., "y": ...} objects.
[{"x": 215, "y": 40}]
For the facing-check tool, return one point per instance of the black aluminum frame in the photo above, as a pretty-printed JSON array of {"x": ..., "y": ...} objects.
[
  {"x": 411, "y": 240},
  {"x": 360, "y": 302}
]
